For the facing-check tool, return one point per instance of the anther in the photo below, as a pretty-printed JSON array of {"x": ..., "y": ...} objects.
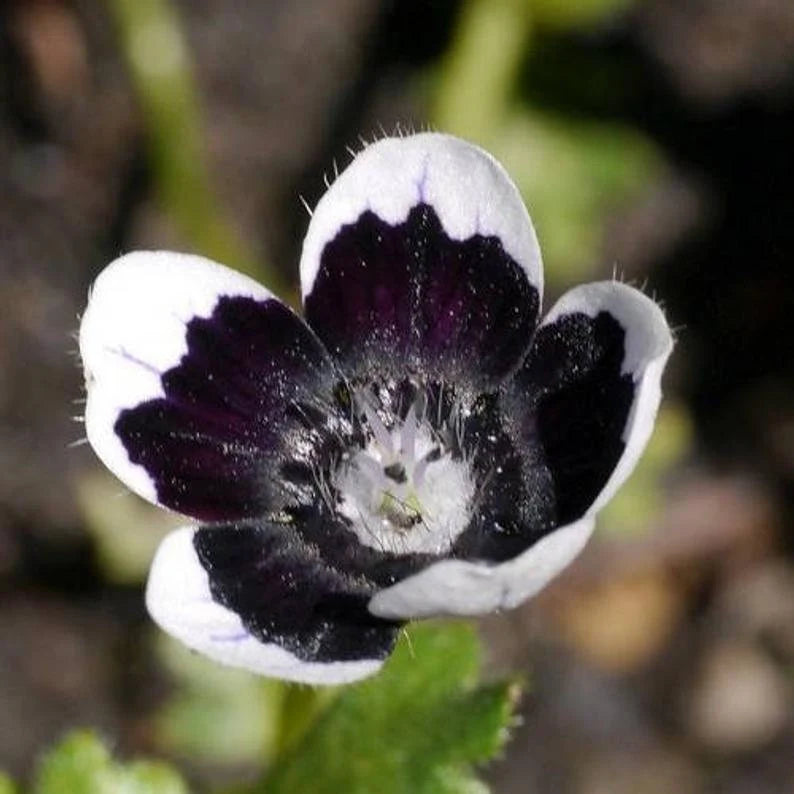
[{"x": 396, "y": 472}]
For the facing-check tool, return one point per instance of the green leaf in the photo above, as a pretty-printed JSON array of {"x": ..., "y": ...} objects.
[
  {"x": 149, "y": 777},
  {"x": 6, "y": 784},
  {"x": 563, "y": 14},
  {"x": 419, "y": 726},
  {"x": 573, "y": 175},
  {"x": 125, "y": 529},
  {"x": 301, "y": 706},
  {"x": 216, "y": 713},
  {"x": 478, "y": 73},
  {"x": 451, "y": 780},
  {"x": 81, "y": 764}
]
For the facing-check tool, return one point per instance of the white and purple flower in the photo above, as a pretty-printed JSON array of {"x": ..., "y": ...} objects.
[{"x": 419, "y": 445}]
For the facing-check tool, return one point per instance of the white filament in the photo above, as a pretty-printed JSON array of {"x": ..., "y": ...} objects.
[{"x": 404, "y": 492}]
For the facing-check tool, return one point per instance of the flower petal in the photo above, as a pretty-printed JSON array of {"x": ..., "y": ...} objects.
[
  {"x": 465, "y": 587},
  {"x": 423, "y": 254},
  {"x": 588, "y": 392},
  {"x": 238, "y": 595},
  {"x": 191, "y": 370},
  {"x": 579, "y": 411}
]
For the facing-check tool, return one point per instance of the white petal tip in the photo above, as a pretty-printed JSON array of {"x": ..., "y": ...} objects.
[{"x": 179, "y": 600}]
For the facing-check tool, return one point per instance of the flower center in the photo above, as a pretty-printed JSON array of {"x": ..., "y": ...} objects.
[{"x": 405, "y": 490}]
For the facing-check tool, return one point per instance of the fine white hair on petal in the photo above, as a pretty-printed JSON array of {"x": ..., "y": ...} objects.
[
  {"x": 463, "y": 587},
  {"x": 469, "y": 190},
  {"x": 179, "y": 600},
  {"x": 133, "y": 330},
  {"x": 648, "y": 344}
]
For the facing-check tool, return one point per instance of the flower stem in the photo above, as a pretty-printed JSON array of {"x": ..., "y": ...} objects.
[{"x": 301, "y": 706}]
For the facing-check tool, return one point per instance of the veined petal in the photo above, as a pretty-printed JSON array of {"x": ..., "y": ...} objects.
[
  {"x": 422, "y": 254},
  {"x": 468, "y": 587},
  {"x": 191, "y": 372},
  {"x": 589, "y": 389},
  {"x": 187, "y": 602}
]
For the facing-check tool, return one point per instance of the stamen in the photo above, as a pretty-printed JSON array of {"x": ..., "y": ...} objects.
[
  {"x": 370, "y": 467},
  {"x": 379, "y": 430},
  {"x": 405, "y": 489},
  {"x": 408, "y": 434},
  {"x": 396, "y": 472},
  {"x": 419, "y": 471}
]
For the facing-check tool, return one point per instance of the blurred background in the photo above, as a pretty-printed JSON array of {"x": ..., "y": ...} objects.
[{"x": 650, "y": 139}]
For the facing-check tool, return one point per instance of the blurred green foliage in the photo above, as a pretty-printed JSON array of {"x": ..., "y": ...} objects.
[
  {"x": 217, "y": 714},
  {"x": 477, "y": 76},
  {"x": 567, "y": 14},
  {"x": 572, "y": 173},
  {"x": 125, "y": 530},
  {"x": 573, "y": 176},
  {"x": 633, "y": 507},
  {"x": 159, "y": 65},
  {"x": 81, "y": 764},
  {"x": 420, "y": 727},
  {"x": 6, "y": 785}
]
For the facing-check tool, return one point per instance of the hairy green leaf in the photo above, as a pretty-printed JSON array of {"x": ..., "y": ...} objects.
[
  {"x": 81, "y": 764},
  {"x": 419, "y": 726}
]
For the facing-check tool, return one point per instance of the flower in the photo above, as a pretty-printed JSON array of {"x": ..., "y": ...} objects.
[{"x": 419, "y": 445}]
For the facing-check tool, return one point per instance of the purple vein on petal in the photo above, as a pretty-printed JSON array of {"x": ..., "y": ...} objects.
[
  {"x": 127, "y": 356},
  {"x": 229, "y": 637}
]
